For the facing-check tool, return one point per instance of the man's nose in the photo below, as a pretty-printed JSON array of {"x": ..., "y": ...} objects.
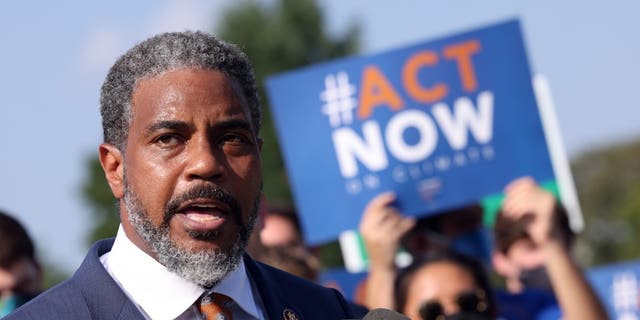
[{"x": 205, "y": 162}]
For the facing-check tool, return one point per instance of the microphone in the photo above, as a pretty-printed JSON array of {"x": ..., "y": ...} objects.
[{"x": 383, "y": 314}]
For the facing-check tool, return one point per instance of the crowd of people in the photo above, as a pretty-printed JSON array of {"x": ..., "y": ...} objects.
[
  {"x": 181, "y": 155},
  {"x": 532, "y": 242}
]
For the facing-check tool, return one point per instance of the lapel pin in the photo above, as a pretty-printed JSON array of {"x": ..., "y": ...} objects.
[{"x": 289, "y": 314}]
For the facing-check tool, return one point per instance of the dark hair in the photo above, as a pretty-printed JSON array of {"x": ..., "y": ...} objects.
[
  {"x": 15, "y": 242},
  {"x": 508, "y": 231},
  {"x": 434, "y": 232},
  {"x": 467, "y": 218},
  {"x": 166, "y": 52},
  {"x": 469, "y": 264}
]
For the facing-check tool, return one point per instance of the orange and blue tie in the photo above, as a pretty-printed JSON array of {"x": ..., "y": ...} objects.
[{"x": 216, "y": 306}]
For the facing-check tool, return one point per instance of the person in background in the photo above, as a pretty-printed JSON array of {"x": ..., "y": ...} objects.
[
  {"x": 445, "y": 285},
  {"x": 382, "y": 226},
  {"x": 281, "y": 228},
  {"x": 516, "y": 257},
  {"x": 532, "y": 252},
  {"x": 459, "y": 229},
  {"x": 384, "y": 229},
  {"x": 296, "y": 260},
  {"x": 20, "y": 272},
  {"x": 278, "y": 242}
]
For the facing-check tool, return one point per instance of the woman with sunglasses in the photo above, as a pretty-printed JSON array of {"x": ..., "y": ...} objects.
[{"x": 445, "y": 285}]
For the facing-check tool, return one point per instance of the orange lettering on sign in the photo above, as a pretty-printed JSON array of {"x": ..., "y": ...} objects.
[
  {"x": 410, "y": 78},
  {"x": 461, "y": 53},
  {"x": 375, "y": 91}
]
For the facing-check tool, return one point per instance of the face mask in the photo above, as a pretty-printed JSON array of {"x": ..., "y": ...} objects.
[
  {"x": 11, "y": 303},
  {"x": 536, "y": 278}
]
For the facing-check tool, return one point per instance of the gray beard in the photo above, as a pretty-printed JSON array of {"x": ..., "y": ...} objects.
[{"x": 206, "y": 268}]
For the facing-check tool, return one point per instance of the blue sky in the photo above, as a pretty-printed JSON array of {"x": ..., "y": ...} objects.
[{"x": 54, "y": 57}]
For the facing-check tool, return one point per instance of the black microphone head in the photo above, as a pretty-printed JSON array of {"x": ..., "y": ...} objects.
[{"x": 384, "y": 314}]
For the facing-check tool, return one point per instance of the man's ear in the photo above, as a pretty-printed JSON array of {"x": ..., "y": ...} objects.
[
  {"x": 502, "y": 265},
  {"x": 112, "y": 163}
]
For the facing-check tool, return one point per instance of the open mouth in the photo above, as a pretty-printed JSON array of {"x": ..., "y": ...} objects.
[{"x": 203, "y": 215}]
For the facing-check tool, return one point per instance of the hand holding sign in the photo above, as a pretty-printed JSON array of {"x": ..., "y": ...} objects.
[
  {"x": 548, "y": 231},
  {"x": 526, "y": 200},
  {"x": 381, "y": 228}
]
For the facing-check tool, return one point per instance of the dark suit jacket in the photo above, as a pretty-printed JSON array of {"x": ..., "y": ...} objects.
[{"x": 91, "y": 293}]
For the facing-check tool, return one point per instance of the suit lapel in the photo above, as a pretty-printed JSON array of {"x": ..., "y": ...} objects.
[
  {"x": 273, "y": 298},
  {"x": 102, "y": 294}
]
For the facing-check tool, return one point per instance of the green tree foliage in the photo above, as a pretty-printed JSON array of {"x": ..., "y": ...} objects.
[
  {"x": 52, "y": 275},
  {"x": 286, "y": 35},
  {"x": 98, "y": 196},
  {"x": 608, "y": 183}
]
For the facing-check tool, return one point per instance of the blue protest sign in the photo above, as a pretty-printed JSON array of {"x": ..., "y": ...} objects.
[
  {"x": 442, "y": 123},
  {"x": 618, "y": 286}
]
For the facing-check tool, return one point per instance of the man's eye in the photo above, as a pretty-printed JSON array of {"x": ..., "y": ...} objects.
[
  {"x": 235, "y": 138},
  {"x": 167, "y": 140}
]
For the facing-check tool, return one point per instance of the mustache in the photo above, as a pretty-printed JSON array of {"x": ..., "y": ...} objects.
[{"x": 203, "y": 191}]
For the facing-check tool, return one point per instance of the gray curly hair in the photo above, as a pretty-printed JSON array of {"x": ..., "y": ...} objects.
[{"x": 166, "y": 52}]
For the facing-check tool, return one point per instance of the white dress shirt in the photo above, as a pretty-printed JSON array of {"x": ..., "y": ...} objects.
[{"x": 161, "y": 294}]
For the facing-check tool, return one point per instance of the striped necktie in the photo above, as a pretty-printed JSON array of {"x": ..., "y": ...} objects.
[{"x": 216, "y": 306}]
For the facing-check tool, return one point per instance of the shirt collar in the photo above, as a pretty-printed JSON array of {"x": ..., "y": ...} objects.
[
  {"x": 237, "y": 286},
  {"x": 163, "y": 294}
]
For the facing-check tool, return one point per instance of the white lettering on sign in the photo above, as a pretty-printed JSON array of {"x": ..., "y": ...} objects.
[
  {"x": 425, "y": 170},
  {"x": 411, "y": 119},
  {"x": 369, "y": 149},
  {"x": 465, "y": 118}
]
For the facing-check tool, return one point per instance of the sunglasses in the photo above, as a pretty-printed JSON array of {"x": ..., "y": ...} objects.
[{"x": 471, "y": 303}]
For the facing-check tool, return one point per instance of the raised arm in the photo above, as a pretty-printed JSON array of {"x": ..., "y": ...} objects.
[
  {"x": 381, "y": 227},
  {"x": 526, "y": 200}
]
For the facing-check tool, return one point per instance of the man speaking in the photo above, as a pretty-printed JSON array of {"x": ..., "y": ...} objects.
[{"x": 181, "y": 154}]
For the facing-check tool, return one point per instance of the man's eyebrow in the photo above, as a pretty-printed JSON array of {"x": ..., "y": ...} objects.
[
  {"x": 167, "y": 124},
  {"x": 234, "y": 124}
]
